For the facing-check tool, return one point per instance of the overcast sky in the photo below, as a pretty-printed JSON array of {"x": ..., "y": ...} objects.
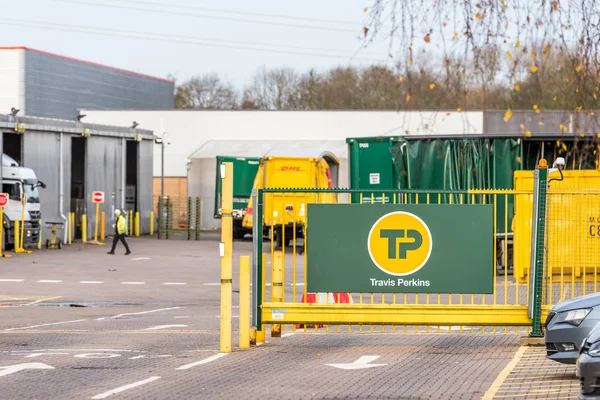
[{"x": 60, "y": 26}]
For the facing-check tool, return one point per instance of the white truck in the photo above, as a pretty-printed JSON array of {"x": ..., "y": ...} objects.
[{"x": 21, "y": 186}]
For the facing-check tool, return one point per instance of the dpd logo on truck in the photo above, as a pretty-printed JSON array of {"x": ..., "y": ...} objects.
[{"x": 399, "y": 243}]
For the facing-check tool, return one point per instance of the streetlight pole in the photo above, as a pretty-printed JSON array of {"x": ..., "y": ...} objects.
[{"x": 162, "y": 169}]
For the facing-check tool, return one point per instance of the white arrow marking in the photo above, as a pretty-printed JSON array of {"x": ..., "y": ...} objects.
[
  {"x": 361, "y": 363},
  {"x": 155, "y": 328},
  {"x": 11, "y": 369}
]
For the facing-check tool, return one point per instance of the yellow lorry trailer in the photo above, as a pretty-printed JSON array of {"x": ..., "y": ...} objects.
[{"x": 292, "y": 169}]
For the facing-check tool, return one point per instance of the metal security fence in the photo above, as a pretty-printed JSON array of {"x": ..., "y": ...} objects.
[
  {"x": 294, "y": 253},
  {"x": 179, "y": 218}
]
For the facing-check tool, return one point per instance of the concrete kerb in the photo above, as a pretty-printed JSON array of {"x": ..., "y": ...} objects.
[{"x": 532, "y": 341}]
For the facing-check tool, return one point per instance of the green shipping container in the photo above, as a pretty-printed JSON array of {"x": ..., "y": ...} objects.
[
  {"x": 372, "y": 167},
  {"x": 244, "y": 172}
]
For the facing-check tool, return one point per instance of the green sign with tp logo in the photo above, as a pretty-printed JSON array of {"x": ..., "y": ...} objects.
[{"x": 394, "y": 248}]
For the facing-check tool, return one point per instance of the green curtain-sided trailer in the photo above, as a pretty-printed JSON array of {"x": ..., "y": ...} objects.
[{"x": 244, "y": 172}]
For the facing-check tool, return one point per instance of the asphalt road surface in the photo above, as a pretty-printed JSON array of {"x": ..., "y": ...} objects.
[{"x": 80, "y": 324}]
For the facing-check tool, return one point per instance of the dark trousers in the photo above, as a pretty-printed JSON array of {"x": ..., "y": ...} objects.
[{"x": 116, "y": 240}]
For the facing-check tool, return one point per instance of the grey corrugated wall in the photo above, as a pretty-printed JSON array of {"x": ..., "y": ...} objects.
[
  {"x": 41, "y": 153},
  {"x": 56, "y": 87},
  {"x": 145, "y": 184},
  {"x": 103, "y": 173}
]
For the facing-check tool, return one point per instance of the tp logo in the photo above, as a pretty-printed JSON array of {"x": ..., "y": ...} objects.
[{"x": 399, "y": 243}]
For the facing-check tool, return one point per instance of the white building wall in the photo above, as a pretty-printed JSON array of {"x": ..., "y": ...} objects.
[
  {"x": 12, "y": 80},
  {"x": 189, "y": 130},
  {"x": 202, "y": 135}
]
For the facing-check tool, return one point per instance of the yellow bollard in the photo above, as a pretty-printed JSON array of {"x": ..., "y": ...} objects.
[
  {"x": 39, "y": 243},
  {"x": 225, "y": 248},
  {"x": 244, "y": 328},
  {"x": 260, "y": 334},
  {"x": 84, "y": 228},
  {"x": 151, "y": 223},
  {"x": 137, "y": 224},
  {"x": 277, "y": 289},
  {"x": 102, "y": 236}
]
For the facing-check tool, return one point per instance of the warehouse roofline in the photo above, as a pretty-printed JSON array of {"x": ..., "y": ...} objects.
[
  {"x": 87, "y": 62},
  {"x": 32, "y": 124}
]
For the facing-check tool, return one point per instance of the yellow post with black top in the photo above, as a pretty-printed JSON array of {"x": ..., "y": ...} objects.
[{"x": 226, "y": 252}]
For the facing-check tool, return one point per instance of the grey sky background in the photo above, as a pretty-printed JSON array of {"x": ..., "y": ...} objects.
[{"x": 64, "y": 27}]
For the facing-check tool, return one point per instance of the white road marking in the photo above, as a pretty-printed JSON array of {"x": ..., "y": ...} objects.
[
  {"x": 157, "y": 327},
  {"x": 138, "y": 313},
  {"x": 11, "y": 369},
  {"x": 233, "y": 316},
  {"x": 49, "y": 281},
  {"x": 42, "y": 300},
  {"x": 132, "y": 283},
  {"x": 74, "y": 350},
  {"x": 205, "y": 361},
  {"x": 140, "y": 258},
  {"x": 43, "y": 354},
  {"x": 92, "y": 282},
  {"x": 175, "y": 283},
  {"x": 211, "y": 284},
  {"x": 53, "y": 323},
  {"x": 297, "y": 284},
  {"x": 124, "y": 388},
  {"x": 12, "y": 280},
  {"x": 182, "y": 316},
  {"x": 361, "y": 363},
  {"x": 97, "y": 355},
  {"x": 150, "y": 356},
  {"x": 288, "y": 334}
]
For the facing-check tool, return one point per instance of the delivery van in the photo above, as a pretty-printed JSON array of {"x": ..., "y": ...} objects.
[{"x": 287, "y": 169}]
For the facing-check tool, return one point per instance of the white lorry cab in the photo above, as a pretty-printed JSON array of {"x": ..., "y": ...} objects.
[{"x": 21, "y": 185}]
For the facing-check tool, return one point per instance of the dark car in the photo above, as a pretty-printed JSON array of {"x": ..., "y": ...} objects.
[
  {"x": 588, "y": 366},
  {"x": 568, "y": 324}
]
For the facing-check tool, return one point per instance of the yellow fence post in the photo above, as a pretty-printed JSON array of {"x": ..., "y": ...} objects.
[
  {"x": 244, "y": 328},
  {"x": 84, "y": 228},
  {"x": 277, "y": 289},
  {"x": 151, "y": 223},
  {"x": 137, "y": 223},
  {"x": 226, "y": 247},
  {"x": 39, "y": 243},
  {"x": 102, "y": 223},
  {"x": 260, "y": 334}
]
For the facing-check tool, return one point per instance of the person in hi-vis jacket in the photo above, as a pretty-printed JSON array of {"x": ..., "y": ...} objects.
[{"x": 120, "y": 230}]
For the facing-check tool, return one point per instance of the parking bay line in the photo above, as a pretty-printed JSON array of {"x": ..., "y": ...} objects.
[
  {"x": 50, "y": 324},
  {"x": 91, "y": 282},
  {"x": 205, "y": 361},
  {"x": 133, "y": 283},
  {"x": 138, "y": 313},
  {"x": 49, "y": 281},
  {"x": 12, "y": 280},
  {"x": 497, "y": 384},
  {"x": 125, "y": 387}
]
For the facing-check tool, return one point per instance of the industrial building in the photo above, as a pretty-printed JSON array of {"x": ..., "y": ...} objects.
[
  {"x": 74, "y": 159},
  {"x": 197, "y": 137},
  {"x": 41, "y": 84}
]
